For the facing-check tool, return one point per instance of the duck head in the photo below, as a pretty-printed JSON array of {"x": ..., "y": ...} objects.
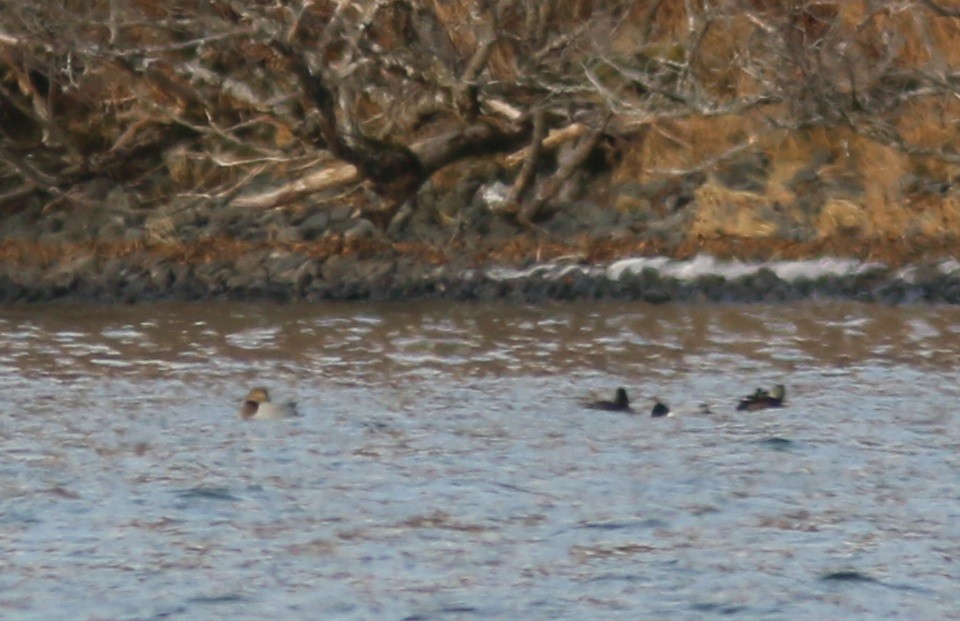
[
  {"x": 251, "y": 403},
  {"x": 779, "y": 392}
]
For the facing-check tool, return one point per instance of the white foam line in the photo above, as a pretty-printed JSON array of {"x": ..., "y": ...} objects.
[
  {"x": 816, "y": 268},
  {"x": 547, "y": 270},
  {"x": 949, "y": 266},
  {"x": 707, "y": 265},
  {"x": 907, "y": 275}
]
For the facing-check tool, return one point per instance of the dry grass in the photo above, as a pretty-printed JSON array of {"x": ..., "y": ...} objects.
[
  {"x": 724, "y": 212},
  {"x": 671, "y": 145}
]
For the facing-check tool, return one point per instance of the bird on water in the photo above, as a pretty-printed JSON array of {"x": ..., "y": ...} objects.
[
  {"x": 620, "y": 403},
  {"x": 659, "y": 409},
  {"x": 762, "y": 400},
  {"x": 257, "y": 406}
]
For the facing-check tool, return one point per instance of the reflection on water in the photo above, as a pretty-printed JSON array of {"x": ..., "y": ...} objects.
[{"x": 444, "y": 469}]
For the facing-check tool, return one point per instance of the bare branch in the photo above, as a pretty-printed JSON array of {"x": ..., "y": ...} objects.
[
  {"x": 941, "y": 10},
  {"x": 528, "y": 170},
  {"x": 548, "y": 189}
]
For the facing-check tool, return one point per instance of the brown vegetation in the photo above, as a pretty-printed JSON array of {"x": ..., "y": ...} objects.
[
  {"x": 801, "y": 123},
  {"x": 585, "y": 249}
]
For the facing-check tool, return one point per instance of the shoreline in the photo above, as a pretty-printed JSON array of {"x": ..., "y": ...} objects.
[{"x": 523, "y": 270}]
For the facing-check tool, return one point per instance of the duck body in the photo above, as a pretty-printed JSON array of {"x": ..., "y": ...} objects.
[
  {"x": 620, "y": 403},
  {"x": 660, "y": 409},
  {"x": 762, "y": 400},
  {"x": 683, "y": 410},
  {"x": 257, "y": 406}
]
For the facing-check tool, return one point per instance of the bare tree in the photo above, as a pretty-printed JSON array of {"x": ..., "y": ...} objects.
[{"x": 204, "y": 97}]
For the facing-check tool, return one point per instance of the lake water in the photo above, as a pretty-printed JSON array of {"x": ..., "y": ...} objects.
[{"x": 445, "y": 469}]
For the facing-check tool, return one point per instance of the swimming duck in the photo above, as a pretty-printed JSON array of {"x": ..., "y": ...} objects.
[
  {"x": 620, "y": 403},
  {"x": 761, "y": 399},
  {"x": 660, "y": 409},
  {"x": 257, "y": 405},
  {"x": 682, "y": 410}
]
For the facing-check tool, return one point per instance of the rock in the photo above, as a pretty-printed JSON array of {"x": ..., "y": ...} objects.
[
  {"x": 289, "y": 234},
  {"x": 452, "y": 202},
  {"x": 113, "y": 228},
  {"x": 83, "y": 228},
  {"x": 161, "y": 274},
  {"x": 212, "y": 276},
  {"x": 64, "y": 277},
  {"x": 283, "y": 267},
  {"x": 315, "y": 226},
  {"x": 377, "y": 273},
  {"x": 305, "y": 275},
  {"x": 363, "y": 229},
  {"x": 136, "y": 285},
  {"x": 10, "y": 289},
  {"x": 672, "y": 229},
  {"x": 337, "y": 268},
  {"x": 23, "y": 225},
  {"x": 341, "y": 213},
  {"x": 119, "y": 201},
  {"x": 180, "y": 220},
  {"x": 238, "y": 222},
  {"x": 656, "y": 295},
  {"x": 186, "y": 286}
]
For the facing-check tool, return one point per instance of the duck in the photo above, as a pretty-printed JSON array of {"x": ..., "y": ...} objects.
[
  {"x": 761, "y": 399},
  {"x": 620, "y": 403},
  {"x": 660, "y": 409},
  {"x": 257, "y": 406}
]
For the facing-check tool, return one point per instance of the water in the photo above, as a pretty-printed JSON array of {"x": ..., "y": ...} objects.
[{"x": 444, "y": 468}]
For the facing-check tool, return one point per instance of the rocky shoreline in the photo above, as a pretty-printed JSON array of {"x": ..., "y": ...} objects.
[
  {"x": 122, "y": 253},
  {"x": 283, "y": 274}
]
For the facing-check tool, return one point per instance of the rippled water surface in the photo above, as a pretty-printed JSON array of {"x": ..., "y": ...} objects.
[{"x": 445, "y": 469}]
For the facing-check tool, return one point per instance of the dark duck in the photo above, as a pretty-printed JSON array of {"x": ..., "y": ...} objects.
[
  {"x": 762, "y": 400},
  {"x": 620, "y": 403},
  {"x": 660, "y": 409}
]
